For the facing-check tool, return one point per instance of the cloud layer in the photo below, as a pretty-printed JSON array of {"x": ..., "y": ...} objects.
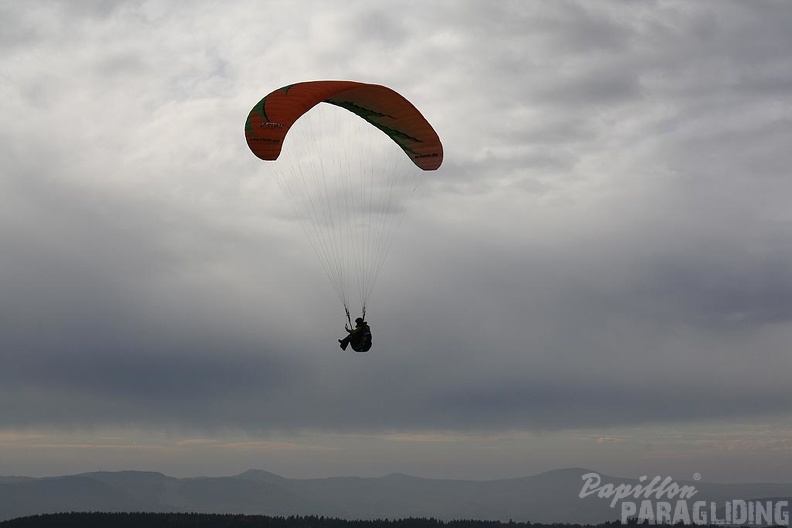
[{"x": 606, "y": 244}]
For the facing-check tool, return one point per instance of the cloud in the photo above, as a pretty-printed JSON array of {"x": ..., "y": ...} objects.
[{"x": 605, "y": 245}]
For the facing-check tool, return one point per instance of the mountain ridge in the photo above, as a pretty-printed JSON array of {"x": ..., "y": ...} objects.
[{"x": 549, "y": 497}]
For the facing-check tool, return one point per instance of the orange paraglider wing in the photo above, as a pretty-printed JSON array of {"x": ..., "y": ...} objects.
[{"x": 270, "y": 120}]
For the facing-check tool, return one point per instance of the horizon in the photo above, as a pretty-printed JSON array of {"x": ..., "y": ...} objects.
[{"x": 396, "y": 474}]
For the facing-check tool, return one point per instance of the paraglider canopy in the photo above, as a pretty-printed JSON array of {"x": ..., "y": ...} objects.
[{"x": 270, "y": 120}]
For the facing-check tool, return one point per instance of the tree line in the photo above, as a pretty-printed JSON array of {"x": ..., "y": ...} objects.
[{"x": 207, "y": 520}]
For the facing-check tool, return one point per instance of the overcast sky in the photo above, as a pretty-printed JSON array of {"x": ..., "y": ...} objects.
[{"x": 599, "y": 275}]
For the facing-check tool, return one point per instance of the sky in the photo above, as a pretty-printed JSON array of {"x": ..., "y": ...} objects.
[{"x": 598, "y": 276}]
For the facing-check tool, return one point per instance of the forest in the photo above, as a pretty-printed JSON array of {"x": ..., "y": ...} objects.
[{"x": 200, "y": 520}]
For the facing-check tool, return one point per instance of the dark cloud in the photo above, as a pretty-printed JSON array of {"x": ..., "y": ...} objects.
[{"x": 604, "y": 246}]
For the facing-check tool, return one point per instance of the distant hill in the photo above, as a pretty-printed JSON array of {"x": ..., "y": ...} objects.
[{"x": 551, "y": 497}]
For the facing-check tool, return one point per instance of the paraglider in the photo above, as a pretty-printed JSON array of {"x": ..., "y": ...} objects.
[
  {"x": 359, "y": 337},
  {"x": 340, "y": 175}
]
